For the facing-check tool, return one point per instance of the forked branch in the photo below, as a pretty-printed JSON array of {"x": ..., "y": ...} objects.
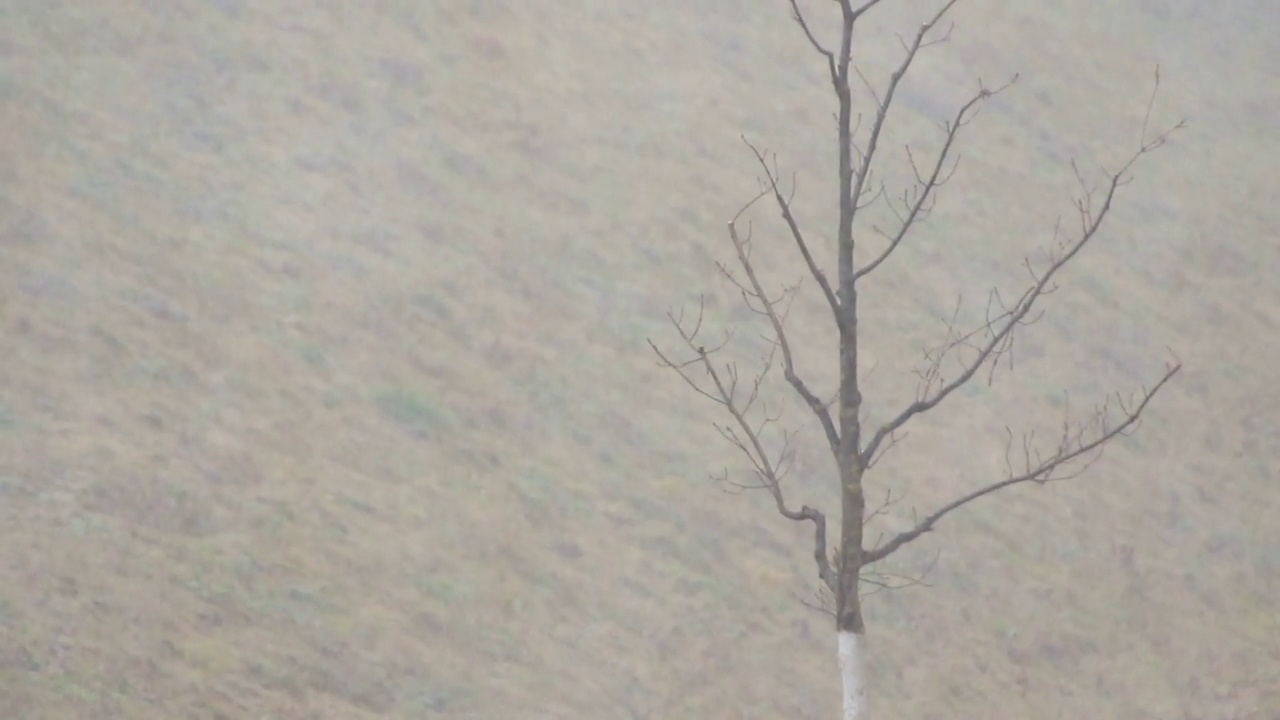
[
  {"x": 918, "y": 201},
  {"x": 755, "y": 297},
  {"x": 1077, "y": 449},
  {"x": 726, "y": 389},
  {"x": 996, "y": 334},
  {"x": 784, "y": 207},
  {"x": 862, "y": 173}
]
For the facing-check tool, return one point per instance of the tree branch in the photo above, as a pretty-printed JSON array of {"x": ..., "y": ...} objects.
[
  {"x": 881, "y": 581},
  {"x": 804, "y": 25},
  {"x": 784, "y": 206},
  {"x": 769, "y": 310},
  {"x": 999, "y": 330},
  {"x": 883, "y": 104},
  {"x": 851, "y": 15},
  {"x": 1073, "y": 445},
  {"x": 742, "y": 433},
  {"x": 925, "y": 187}
]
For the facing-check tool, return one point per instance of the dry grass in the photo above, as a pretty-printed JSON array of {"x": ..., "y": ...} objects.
[{"x": 325, "y": 392}]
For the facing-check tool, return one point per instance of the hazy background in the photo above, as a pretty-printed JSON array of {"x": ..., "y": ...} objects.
[{"x": 325, "y": 391}]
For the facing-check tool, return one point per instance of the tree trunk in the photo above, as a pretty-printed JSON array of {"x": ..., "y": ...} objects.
[{"x": 853, "y": 674}]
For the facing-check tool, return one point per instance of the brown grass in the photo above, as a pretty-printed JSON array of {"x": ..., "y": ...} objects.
[{"x": 325, "y": 391}]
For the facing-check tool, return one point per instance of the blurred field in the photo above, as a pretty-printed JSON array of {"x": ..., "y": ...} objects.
[{"x": 325, "y": 391}]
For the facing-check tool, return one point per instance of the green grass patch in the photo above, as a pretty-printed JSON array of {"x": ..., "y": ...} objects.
[
  {"x": 8, "y": 418},
  {"x": 412, "y": 410}
]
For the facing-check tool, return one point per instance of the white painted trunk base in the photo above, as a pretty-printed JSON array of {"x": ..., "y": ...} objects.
[{"x": 853, "y": 674}]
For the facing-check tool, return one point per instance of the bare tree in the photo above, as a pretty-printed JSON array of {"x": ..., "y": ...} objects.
[{"x": 976, "y": 350}]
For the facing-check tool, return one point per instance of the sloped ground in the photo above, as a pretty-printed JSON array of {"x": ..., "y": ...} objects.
[{"x": 325, "y": 391}]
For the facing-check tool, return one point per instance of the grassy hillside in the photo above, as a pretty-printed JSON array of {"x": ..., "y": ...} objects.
[{"x": 325, "y": 391}]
